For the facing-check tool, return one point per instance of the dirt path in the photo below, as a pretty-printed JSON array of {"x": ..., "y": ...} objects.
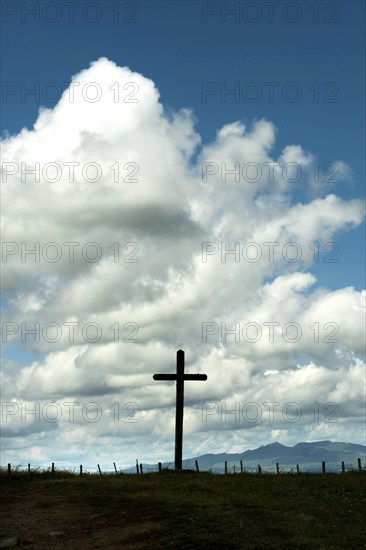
[{"x": 47, "y": 520}]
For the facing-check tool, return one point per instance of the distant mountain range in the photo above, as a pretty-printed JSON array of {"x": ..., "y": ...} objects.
[{"x": 308, "y": 456}]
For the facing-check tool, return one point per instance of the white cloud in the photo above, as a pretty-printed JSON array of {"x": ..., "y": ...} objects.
[{"x": 163, "y": 298}]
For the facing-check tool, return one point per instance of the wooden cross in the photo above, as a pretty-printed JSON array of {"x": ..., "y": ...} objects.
[{"x": 180, "y": 377}]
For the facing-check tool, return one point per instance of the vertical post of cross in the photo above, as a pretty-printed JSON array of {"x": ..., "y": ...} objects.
[{"x": 179, "y": 411}]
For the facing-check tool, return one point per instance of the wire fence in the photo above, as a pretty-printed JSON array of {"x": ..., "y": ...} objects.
[{"x": 188, "y": 466}]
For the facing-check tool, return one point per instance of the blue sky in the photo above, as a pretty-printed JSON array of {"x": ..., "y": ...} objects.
[{"x": 190, "y": 52}]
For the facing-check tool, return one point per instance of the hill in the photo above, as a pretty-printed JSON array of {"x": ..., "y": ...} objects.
[
  {"x": 185, "y": 510},
  {"x": 308, "y": 456}
]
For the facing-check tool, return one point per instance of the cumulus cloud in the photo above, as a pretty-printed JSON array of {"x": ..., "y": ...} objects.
[{"x": 126, "y": 238}]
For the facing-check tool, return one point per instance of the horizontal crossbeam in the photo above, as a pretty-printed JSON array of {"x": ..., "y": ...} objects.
[{"x": 185, "y": 377}]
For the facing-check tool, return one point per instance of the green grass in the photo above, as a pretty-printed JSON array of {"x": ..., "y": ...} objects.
[{"x": 208, "y": 511}]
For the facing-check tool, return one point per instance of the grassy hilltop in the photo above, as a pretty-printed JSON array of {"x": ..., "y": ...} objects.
[{"x": 185, "y": 510}]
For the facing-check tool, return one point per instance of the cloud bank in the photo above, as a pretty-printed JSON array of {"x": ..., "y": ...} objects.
[{"x": 126, "y": 238}]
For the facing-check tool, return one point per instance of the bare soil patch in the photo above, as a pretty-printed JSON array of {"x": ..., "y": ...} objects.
[{"x": 45, "y": 519}]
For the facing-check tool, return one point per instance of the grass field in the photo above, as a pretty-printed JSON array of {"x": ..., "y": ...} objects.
[{"x": 185, "y": 510}]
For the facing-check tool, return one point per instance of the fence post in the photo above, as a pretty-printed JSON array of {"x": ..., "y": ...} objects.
[
  {"x": 323, "y": 467},
  {"x": 225, "y": 467},
  {"x": 359, "y": 464},
  {"x": 9, "y": 469},
  {"x": 141, "y": 472},
  {"x": 53, "y": 468},
  {"x": 29, "y": 470},
  {"x": 137, "y": 466},
  {"x": 277, "y": 468},
  {"x": 197, "y": 467},
  {"x": 81, "y": 469},
  {"x": 297, "y": 468},
  {"x": 343, "y": 467},
  {"x": 115, "y": 467},
  {"x": 259, "y": 469},
  {"x": 241, "y": 467},
  {"x": 100, "y": 471}
]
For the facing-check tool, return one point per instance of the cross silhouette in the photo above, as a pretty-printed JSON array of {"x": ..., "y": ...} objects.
[{"x": 180, "y": 377}]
